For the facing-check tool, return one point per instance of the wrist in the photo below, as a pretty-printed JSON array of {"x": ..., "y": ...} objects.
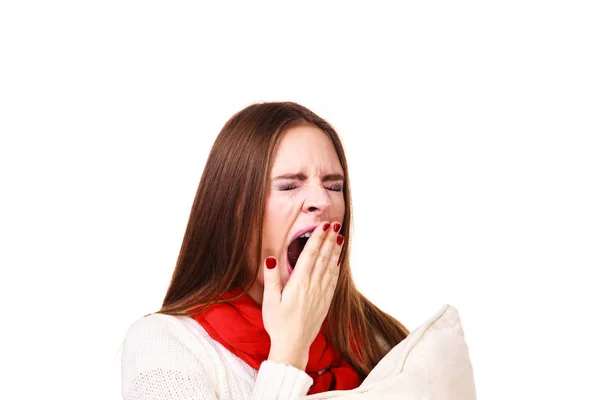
[{"x": 289, "y": 356}]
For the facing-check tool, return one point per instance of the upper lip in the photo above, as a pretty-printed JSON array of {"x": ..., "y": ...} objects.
[{"x": 302, "y": 232}]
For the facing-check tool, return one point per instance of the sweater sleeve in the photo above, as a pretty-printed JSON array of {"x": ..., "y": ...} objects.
[
  {"x": 158, "y": 363},
  {"x": 280, "y": 382}
]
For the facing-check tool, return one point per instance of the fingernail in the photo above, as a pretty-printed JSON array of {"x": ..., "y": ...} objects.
[
  {"x": 340, "y": 239},
  {"x": 336, "y": 227},
  {"x": 339, "y": 260},
  {"x": 326, "y": 226},
  {"x": 271, "y": 262}
]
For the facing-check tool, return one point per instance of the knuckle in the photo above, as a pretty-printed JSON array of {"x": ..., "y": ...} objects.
[
  {"x": 272, "y": 280},
  {"x": 312, "y": 253},
  {"x": 304, "y": 284},
  {"x": 324, "y": 259}
]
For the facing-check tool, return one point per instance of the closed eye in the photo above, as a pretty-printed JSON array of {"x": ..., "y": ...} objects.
[
  {"x": 333, "y": 188},
  {"x": 287, "y": 187}
]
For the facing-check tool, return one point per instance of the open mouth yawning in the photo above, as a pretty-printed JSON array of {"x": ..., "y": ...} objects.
[{"x": 296, "y": 248}]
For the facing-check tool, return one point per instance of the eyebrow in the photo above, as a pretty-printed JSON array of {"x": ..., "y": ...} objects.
[{"x": 301, "y": 177}]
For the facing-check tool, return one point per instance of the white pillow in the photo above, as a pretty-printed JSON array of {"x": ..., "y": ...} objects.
[{"x": 431, "y": 363}]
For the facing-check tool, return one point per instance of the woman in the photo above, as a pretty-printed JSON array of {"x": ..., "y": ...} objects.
[{"x": 262, "y": 303}]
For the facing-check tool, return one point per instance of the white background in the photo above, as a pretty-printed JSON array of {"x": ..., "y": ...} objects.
[{"x": 471, "y": 129}]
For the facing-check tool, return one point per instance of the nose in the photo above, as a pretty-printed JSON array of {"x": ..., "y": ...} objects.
[{"x": 317, "y": 201}]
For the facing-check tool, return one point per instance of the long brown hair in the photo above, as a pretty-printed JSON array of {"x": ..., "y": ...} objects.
[{"x": 226, "y": 218}]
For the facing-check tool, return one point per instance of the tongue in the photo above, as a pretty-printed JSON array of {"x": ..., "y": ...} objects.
[{"x": 295, "y": 249}]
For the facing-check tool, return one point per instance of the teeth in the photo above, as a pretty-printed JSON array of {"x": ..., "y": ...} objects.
[{"x": 306, "y": 235}]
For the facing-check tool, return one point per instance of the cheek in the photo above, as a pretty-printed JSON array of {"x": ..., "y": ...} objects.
[
  {"x": 338, "y": 207},
  {"x": 279, "y": 218},
  {"x": 271, "y": 222}
]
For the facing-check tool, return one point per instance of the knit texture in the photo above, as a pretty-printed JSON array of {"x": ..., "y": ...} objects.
[{"x": 173, "y": 358}]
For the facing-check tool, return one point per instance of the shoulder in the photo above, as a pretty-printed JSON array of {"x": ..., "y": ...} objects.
[
  {"x": 166, "y": 349},
  {"x": 164, "y": 335},
  {"x": 152, "y": 326},
  {"x": 152, "y": 330},
  {"x": 165, "y": 341}
]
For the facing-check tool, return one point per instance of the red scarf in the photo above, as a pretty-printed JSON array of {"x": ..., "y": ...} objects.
[{"x": 238, "y": 326}]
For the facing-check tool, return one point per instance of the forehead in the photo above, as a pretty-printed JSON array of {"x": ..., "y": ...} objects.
[{"x": 305, "y": 148}]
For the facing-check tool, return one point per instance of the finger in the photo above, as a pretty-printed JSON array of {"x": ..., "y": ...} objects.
[
  {"x": 329, "y": 243},
  {"x": 308, "y": 255},
  {"x": 332, "y": 271},
  {"x": 272, "y": 282}
]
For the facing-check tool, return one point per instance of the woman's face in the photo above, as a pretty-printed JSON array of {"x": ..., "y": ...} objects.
[{"x": 306, "y": 188}]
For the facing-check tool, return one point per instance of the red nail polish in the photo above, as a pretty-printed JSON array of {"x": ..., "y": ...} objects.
[
  {"x": 336, "y": 227},
  {"x": 271, "y": 262},
  {"x": 326, "y": 226},
  {"x": 340, "y": 239},
  {"x": 339, "y": 260}
]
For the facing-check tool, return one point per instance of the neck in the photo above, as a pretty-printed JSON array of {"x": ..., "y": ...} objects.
[{"x": 256, "y": 292}]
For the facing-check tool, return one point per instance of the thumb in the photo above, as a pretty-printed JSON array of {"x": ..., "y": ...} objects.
[{"x": 272, "y": 282}]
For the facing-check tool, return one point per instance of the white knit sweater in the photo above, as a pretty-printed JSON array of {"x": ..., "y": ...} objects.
[{"x": 173, "y": 358}]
